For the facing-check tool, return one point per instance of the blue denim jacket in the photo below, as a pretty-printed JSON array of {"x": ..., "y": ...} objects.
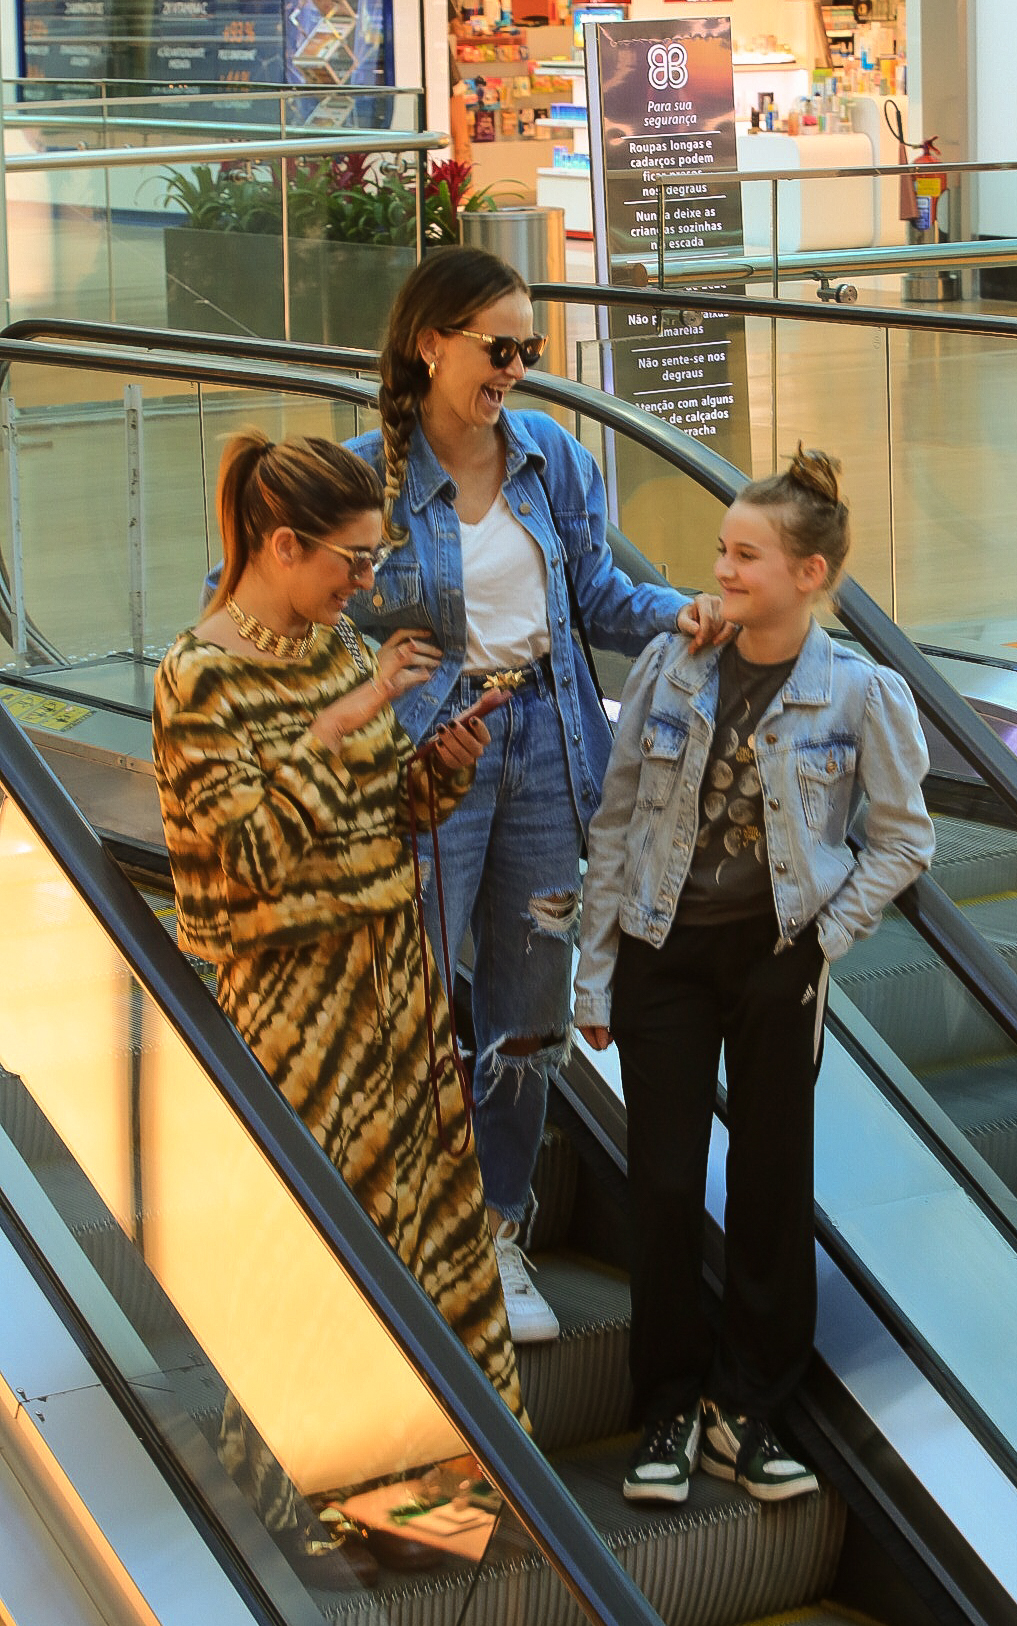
[
  {"x": 838, "y": 728},
  {"x": 421, "y": 585}
]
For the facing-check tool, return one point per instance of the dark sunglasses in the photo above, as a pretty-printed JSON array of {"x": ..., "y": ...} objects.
[{"x": 503, "y": 351}]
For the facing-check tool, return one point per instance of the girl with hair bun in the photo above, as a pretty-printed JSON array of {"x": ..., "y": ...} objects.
[
  {"x": 493, "y": 513},
  {"x": 720, "y": 887},
  {"x": 286, "y": 783}
]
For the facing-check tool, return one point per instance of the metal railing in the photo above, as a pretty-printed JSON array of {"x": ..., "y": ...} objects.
[
  {"x": 989, "y": 979},
  {"x": 777, "y": 267},
  {"x": 259, "y": 149}
]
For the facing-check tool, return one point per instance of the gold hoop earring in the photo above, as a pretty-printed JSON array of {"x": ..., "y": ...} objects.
[{"x": 432, "y": 368}]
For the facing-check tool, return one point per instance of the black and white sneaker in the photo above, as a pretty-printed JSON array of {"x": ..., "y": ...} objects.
[
  {"x": 664, "y": 1460},
  {"x": 746, "y": 1451}
]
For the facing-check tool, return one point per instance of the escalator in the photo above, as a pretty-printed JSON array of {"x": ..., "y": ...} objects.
[{"x": 133, "y": 1158}]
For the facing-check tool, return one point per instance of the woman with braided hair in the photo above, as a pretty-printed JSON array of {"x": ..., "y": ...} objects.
[{"x": 489, "y": 513}]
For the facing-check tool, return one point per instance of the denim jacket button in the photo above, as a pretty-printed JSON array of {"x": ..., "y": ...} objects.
[
  {"x": 566, "y": 680},
  {"x": 771, "y": 739},
  {"x": 576, "y": 737},
  {"x": 561, "y": 621},
  {"x": 781, "y": 868},
  {"x": 524, "y": 508},
  {"x": 774, "y": 803}
]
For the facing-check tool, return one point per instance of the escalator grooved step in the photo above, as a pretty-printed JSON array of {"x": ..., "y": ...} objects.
[
  {"x": 719, "y": 1558},
  {"x": 576, "y": 1388}
]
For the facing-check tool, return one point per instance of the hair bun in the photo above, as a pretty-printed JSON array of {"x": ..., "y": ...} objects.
[{"x": 816, "y": 472}]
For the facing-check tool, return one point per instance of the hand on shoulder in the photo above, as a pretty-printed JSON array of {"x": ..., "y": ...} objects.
[{"x": 702, "y": 622}]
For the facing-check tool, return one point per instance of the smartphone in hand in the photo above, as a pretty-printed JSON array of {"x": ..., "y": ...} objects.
[{"x": 489, "y": 700}]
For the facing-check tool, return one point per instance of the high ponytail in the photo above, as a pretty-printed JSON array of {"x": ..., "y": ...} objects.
[
  {"x": 810, "y": 513},
  {"x": 311, "y": 485}
]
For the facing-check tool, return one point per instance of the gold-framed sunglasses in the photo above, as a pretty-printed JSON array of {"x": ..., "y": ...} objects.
[
  {"x": 503, "y": 351},
  {"x": 360, "y": 560}
]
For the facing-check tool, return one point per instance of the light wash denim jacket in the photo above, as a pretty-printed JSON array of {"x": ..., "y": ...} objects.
[
  {"x": 838, "y": 728},
  {"x": 421, "y": 585}
]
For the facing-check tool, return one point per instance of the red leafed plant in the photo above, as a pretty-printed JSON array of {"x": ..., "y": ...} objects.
[{"x": 353, "y": 198}]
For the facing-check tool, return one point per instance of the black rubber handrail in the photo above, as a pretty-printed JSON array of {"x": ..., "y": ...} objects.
[
  {"x": 959, "y": 723},
  {"x": 935, "y": 916},
  {"x": 157, "y": 352},
  {"x": 799, "y": 310},
  {"x": 560, "y": 1529}
]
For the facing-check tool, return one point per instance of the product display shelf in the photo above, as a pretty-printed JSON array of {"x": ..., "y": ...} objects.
[
  {"x": 516, "y": 159},
  {"x": 559, "y": 187}
]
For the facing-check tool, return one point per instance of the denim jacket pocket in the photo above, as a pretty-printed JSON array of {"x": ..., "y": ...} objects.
[
  {"x": 573, "y": 526},
  {"x": 662, "y": 747},
  {"x": 398, "y": 586},
  {"x": 826, "y": 776}
]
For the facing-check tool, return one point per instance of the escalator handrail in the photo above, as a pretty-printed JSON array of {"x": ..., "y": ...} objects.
[
  {"x": 559, "y": 1528},
  {"x": 980, "y": 967},
  {"x": 966, "y": 731},
  {"x": 19, "y": 342},
  {"x": 933, "y": 914},
  {"x": 680, "y": 297}
]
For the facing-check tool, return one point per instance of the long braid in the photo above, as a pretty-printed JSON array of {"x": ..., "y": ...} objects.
[{"x": 399, "y": 401}]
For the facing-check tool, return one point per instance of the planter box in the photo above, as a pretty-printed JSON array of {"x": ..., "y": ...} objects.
[{"x": 232, "y": 282}]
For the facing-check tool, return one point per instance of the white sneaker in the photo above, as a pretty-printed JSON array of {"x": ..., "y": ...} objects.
[{"x": 530, "y": 1317}]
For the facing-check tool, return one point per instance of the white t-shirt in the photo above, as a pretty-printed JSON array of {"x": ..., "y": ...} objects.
[{"x": 505, "y": 587}]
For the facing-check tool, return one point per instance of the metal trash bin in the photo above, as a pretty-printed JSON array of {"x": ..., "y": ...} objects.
[{"x": 532, "y": 239}]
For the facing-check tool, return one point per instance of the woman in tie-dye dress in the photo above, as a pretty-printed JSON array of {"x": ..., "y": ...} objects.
[{"x": 285, "y": 783}]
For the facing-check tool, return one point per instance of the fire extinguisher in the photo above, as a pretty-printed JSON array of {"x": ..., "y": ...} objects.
[{"x": 919, "y": 193}]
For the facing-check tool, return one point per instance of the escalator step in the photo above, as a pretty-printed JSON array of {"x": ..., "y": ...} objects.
[
  {"x": 720, "y": 1556},
  {"x": 921, "y": 1010},
  {"x": 974, "y": 860},
  {"x": 577, "y": 1387},
  {"x": 982, "y": 1102},
  {"x": 554, "y": 1189}
]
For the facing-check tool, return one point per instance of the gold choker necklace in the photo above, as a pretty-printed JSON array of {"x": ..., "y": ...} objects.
[{"x": 269, "y": 642}]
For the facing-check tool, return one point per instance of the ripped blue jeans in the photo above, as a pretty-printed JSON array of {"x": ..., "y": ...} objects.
[{"x": 510, "y": 867}]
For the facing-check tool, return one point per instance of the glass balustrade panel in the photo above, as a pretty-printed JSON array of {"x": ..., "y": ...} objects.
[
  {"x": 924, "y": 1235},
  {"x": 200, "y": 246},
  {"x": 266, "y": 1373},
  {"x": 117, "y": 533}
]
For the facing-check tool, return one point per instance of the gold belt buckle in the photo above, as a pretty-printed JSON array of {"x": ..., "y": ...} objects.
[{"x": 512, "y": 679}]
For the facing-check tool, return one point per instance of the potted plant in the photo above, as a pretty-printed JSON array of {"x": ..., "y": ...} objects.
[{"x": 351, "y": 233}]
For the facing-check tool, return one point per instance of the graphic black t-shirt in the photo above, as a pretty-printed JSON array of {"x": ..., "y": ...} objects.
[{"x": 729, "y": 878}]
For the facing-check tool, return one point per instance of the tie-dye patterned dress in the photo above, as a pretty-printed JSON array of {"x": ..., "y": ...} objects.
[{"x": 292, "y": 875}]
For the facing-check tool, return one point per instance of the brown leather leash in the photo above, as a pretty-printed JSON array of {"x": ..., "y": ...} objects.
[{"x": 454, "y": 1060}]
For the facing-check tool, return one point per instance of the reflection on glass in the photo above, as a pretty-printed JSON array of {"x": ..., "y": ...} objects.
[
  {"x": 931, "y": 1022},
  {"x": 91, "y": 243},
  {"x": 74, "y": 478},
  {"x": 268, "y": 1375}
]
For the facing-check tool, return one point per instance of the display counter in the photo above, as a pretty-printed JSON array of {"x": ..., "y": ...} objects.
[
  {"x": 824, "y": 214},
  {"x": 836, "y": 212}
]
